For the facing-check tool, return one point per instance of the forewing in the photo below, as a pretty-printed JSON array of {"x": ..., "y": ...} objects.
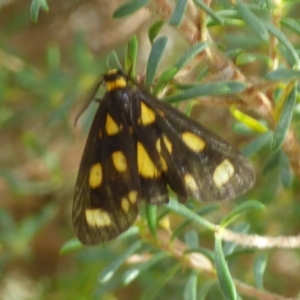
[
  {"x": 108, "y": 188},
  {"x": 149, "y": 161},
  {"x": 200, "y": 164}
]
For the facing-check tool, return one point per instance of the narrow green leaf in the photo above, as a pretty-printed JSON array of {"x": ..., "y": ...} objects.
[
  {"x": 291, "y": 24},
  {"x": 272, "y": 162},
  {"x": 129, "y": 8},
  {"x": 284, "y": 121},
  {"x": 178, "y": 13},
  {"x": 151, "y": 217},
  {"x": 287, "y": 176},
  {"x": 209, "y": 11},
  {"x": 53, "y": 58},
  {"x": 191, "y": 238},
  {"x": 111, "y": 269},
  {"x": 257, "y": 144},
  {"x": 190, "y": 290},
  {"x": 245, "y": 58},
  {"x": 185, "y": 212},
  {"x": 245, "y": 119},
  {"x": 132, "y": 231},
  {"x": 241, "y": 209},
  {"x": 153, "y": 289},
  {"x": 260, "y": 264},
  {"x": 207, "y": 89},
  {"x": 190, "y": 54},
  {"x": 133, "y": 273},
  {"x": 203, "y": 211},
  {"x": 35, "y": 7},
  {"x": 283, "y": 75},
  {"x": 131, "y": 56},
  {"x": 252, "y": 21},
  {"x": 154, "y": 30},
  {"x": 164, "y": 79},
  {"x": 156, "y": 53},
  {"x": 229, "y": 247},
  {"x": 285, "y": 41},
  {"x": 204, "y": 289},
  {"x": 113, "y": 61},
  {"x": 224, "y": 277},
  {"x": 70, "y": 246},
  {"x": 208, "y": 253}
]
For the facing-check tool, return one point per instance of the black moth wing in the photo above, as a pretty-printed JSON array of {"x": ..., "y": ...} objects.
[
  {"x": 200, "y": 164},
  {"x": 107, "y": 205}
]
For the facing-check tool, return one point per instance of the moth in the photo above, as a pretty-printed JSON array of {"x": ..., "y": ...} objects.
[{"x": 137, "y": 148}]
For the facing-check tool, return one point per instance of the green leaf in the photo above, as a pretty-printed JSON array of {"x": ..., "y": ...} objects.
[
  {"x": 203, "y": 211},
  {"x": 286, "y": 174},
  {"x": 285, "y": 41},
  {"x": 254, "y": 23},
  {"x": 208, "y": 253},
  {"x": 207, "y": 89},
  {"x": 134, "y": 272},
  {"x": 204, "y": 289},
  {"x": 291, "y": 24},
  {"x": 156, "y": 53},
  {"x": 257, "y": 144},
  {"x": 284, "y": 121},
  {"x": 190, "y": 54},
  {"x": 272, "y": 162},
  {"x": 190, "y": 290},
  {"x": 113, "y": 61},
  {"x": 154, "y": 30},
  {"x": 283, "y": 75},
  {"x": 70, "y": 246},
  {"x": 53, "y": 58},
  {"x": 245, "y": 58},
  {"x": 129, "y": 8},
  {"x": 191, "y": 238},
  {"x": 209, "y": 11},
  {"x": 131, "y": 56},
  {"x": 229, "y": 247},
  {"x": 241, "y": 209},
  {"x": 35, "y": 7},
  {"x": 182, "y": 210},
  {"x": 153, "y": 289},
  {"x": 178, "y": 13},
  {"x": 111, "y": 269},
  {"x": 224, "y": 277},
  {"x": 259, "y": 268},
  {"x": 151, "y": 217},
  {"x": 164, "y": 79}
]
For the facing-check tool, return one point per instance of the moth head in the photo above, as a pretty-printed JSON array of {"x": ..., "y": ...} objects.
[{"x": 114, "y": 79}]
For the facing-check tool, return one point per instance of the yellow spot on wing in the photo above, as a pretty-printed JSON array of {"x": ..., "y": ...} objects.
[
  {"x": 163, "y": 162},
  {"x": 168, "y": 144},
  {"x": 125, "y": 204},
  {"x": 223, "y": 173},
  {"x": 132, "y": 196},
  {"x": 111, "y": 126},
  {"x": 119, "y": 161},
  {"x": 95, "y": 177},
  {"x": 147, "y": 114},
  {"x": 146, "y": 166},
  {"x": 190, "y": 182},
  {"x": 193, "y": 141},
  {"x": 97, "y": 217}
]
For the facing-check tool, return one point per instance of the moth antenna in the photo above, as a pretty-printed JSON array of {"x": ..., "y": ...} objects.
[{"x": 90, "y": 98}]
